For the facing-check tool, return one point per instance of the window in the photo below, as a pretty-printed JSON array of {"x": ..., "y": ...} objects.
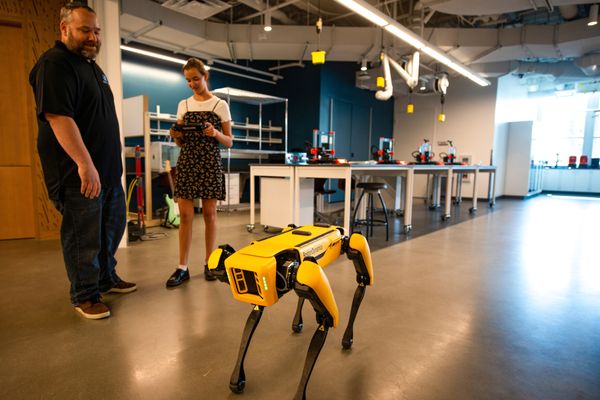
[{"x": 559, "y": 129}]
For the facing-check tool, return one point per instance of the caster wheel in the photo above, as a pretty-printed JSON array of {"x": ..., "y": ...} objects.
[
  {"x": 399, "y": 213},
  {"x": 347, "y": 343},
  {"x": 249, "y": 227},
  {"x": 407, "y": 228},
  {"x": 432, "y": 207},
  {"x": 266, "y": 228},
  {"x": 492, "y": 205},
  {"x": 445, "y": 217},
  {"x": 297, "y": 328},
  {"x": 237, "y": 387},
  {"x": 472, "y": 210}
]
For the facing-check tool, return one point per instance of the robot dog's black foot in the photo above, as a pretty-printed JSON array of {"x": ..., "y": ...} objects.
[{"x": 237, "y": 387}]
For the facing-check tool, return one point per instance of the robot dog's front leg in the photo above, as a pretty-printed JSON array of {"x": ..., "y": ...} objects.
[
  {"x": 357, "y": 250},
  {"x": 238, "y": 377},
  {"x": 216, "y": 262},
  {"x": 312, "y": 284}
]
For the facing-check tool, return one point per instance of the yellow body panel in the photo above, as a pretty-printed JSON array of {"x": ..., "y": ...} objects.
[
  {"x": 312, "y": 275},
  {"x": 252, "y": 278},
  {"x": 257, "y": 285},
  {"x": 289, "y": 240}
]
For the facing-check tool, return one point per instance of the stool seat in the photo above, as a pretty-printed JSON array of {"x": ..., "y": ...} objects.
[{"x": 372, "y": 186}]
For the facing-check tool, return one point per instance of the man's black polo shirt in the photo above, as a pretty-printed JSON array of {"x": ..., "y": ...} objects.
[{"x": 65, "y": 83}]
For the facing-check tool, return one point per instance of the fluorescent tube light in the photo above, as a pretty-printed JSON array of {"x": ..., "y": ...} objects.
[
  {"x": 363, "y": 9},
  {"x": 405, "y": 35},
  {"x": 369, "y": 12},
  {"x": 153, "y": 55},
  {"x": 182, "y": 62}
]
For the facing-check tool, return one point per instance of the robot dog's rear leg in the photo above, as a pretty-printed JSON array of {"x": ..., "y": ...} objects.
[
  {"x": 312, "y": 284},
  {"x": 349, "y": 333},
  {"x": 316, "y": 344},
  {"x": 238, "y": 377},
  {"x": 357, "y": 250},
  {"x": 297, "y": 323}
]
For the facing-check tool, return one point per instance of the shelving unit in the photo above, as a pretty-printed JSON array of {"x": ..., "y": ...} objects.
[
  {"x": 250, "y": 132},
  {"x": 137, "y": 122},
  {"x": 265, "y": 134}
]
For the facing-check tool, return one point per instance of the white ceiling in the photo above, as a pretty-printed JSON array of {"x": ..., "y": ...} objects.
[{"x": 491, "y": 36}]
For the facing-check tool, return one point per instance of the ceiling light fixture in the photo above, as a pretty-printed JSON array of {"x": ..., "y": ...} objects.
[
  {"x": 268, "y": 27},
  {"x": 593, "y": 17},
  {"x": 369, "y": 12},
  {"x": 363, "y": 64}
]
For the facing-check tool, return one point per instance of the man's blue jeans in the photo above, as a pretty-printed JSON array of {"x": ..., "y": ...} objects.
[{"x": 90, "y": 234}]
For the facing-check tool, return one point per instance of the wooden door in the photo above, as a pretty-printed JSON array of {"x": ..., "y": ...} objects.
[{"x": 17, "y": 218}]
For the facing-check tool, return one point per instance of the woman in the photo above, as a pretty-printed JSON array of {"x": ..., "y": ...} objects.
[{"x": 199, "y": 172}]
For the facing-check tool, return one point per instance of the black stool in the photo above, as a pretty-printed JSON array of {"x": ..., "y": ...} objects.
[{"x": 371, "y": 188}]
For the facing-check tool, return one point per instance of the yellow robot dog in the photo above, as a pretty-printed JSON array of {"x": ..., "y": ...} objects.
[{"x": 267, "y": 269}]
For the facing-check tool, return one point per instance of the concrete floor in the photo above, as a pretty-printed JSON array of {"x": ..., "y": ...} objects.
[{"x": 503, "y": 305}]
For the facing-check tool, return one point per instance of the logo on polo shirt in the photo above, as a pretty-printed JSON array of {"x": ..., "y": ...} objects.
[{"x": 104, "y": 79}]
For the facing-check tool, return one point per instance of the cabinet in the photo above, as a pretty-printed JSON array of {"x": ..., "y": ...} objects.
[
  {"x": 572, "y": 180},
  {"x": 524, "y": 176},
  {"x": 232, "y": 190}
]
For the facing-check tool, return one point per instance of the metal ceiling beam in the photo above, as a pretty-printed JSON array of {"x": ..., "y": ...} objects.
[
  {"x": 271, "y": 9},
  {"x": 142, "y": 31},
  {"x": 262, "y": 7}
]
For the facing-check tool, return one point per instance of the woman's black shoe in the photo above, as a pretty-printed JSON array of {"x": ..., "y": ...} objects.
[
  {"x": 178, "y": 277},
  {"x": 208, "y": 275}
]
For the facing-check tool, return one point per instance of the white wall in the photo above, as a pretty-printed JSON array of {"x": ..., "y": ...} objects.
[{"x": 470, "y": 111}]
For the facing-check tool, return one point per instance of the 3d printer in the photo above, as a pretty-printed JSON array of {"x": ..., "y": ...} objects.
[
  {"x": 384, "y": 154},
  {"x": 322, "y": 149}
]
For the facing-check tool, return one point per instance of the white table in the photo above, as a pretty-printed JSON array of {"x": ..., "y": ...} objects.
[{"x": 347, "y": 171}]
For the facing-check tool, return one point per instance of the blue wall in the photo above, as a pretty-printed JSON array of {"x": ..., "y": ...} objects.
[
  {"x": 351, "y": 107},
  {"x": 309, "y": 91}
]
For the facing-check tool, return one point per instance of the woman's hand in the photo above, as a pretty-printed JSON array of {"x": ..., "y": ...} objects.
[
  {"x": 177, "y": 136},
  {"x": 210, "y": 130}
]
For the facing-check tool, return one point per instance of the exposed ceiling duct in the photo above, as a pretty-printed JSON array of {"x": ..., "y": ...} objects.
[
  {"x": 492, "y": 7},
  {"x": 351, "y": 39}
]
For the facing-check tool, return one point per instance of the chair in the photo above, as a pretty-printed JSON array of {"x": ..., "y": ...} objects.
[
  {"x": 371, "y": 188},
  {"x": 320, "y": 193}
]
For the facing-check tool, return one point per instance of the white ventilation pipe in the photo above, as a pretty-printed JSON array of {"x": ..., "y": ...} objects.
[
  {"x": 411, "y": 77},
  {"x": 388, "y": 90}
]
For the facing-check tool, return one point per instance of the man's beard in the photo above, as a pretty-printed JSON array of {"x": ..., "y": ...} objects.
[{"x": 80, "y": 47}]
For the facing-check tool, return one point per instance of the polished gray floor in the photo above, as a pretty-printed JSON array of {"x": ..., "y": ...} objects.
[{"x": 503, "y": 305}]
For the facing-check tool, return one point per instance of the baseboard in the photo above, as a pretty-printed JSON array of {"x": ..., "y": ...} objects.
[{"x": 579, "y": 194}]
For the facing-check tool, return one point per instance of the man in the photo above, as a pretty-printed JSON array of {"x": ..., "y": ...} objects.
[{"x": 80, "y": 152}]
